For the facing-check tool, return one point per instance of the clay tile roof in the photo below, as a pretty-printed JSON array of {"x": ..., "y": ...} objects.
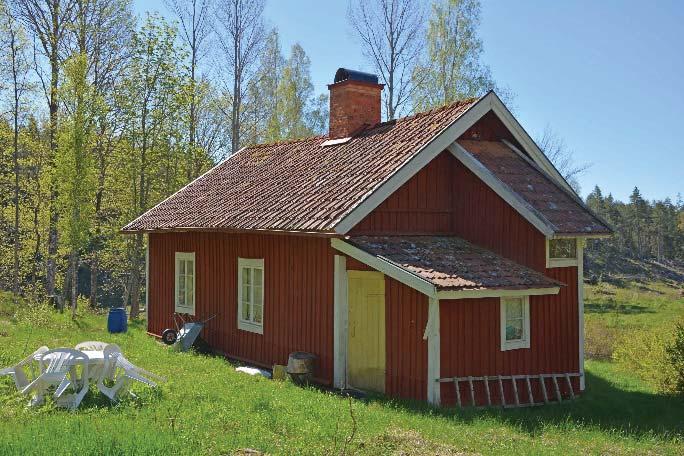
[
  {"x": 451, "y": 263},
  {"x": 298, "y": 185},
  {"x": 562, "y": 211}
]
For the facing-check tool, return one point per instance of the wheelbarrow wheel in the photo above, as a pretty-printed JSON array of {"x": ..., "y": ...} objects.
[{"x": 169, "y": 336}]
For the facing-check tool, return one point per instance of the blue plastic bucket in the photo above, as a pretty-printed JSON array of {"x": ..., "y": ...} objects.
[{"x": 117, "y": 321}]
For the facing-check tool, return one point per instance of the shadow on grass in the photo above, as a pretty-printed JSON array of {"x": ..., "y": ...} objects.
[
  {"x": 625, "y": 309},
  {"x": 603, "y": 405}
]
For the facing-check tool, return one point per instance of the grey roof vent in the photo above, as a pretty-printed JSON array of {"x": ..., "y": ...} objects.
[{"x": 343, "y": 74}]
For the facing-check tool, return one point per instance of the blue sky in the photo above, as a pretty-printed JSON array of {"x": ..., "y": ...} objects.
[{"x": 606, "y": 76}]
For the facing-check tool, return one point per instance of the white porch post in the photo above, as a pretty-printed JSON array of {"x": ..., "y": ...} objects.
[
  {"x": 580, "y": 304},
  {"x": 341, "y": 314},
  {"x": 432, "y": 336}
]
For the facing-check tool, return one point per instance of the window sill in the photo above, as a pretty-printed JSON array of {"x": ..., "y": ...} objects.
[
  {"x": 561, "y": 262},
  {"x": 515, "y": 345},
  {"x": 185, "y": 311},
  {"x": 250, "y": 327}
]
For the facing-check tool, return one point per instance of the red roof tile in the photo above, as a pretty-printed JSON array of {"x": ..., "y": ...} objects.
[
  {"x": 555, "y": 205},
  {"x": 451, "y": 263},
  {"x": 298, "y": 185}
]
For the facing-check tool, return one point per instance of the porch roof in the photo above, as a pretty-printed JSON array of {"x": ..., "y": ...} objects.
[{"x": 450, "y": 263}]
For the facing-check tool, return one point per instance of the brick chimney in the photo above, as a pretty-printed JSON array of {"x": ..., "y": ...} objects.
[{"x": 354, "y": 102}]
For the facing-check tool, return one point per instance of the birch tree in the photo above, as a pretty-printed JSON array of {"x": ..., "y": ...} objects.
[
  {"x": 48, "y": 21},
  {"x": 392, "y": 37},
  {"x": 453, "y": 69},
  {"x": 241, "y": 35},
  {"x": 17, "y": 64}
]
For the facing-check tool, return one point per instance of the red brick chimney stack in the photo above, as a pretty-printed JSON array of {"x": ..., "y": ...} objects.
[{"x": 354, "y": 102}]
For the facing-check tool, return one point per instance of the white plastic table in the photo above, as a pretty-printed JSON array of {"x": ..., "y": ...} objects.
[{"x": 95, "y": 365}]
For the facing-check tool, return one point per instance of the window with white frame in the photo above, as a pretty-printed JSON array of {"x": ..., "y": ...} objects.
[
  {"x": 251, "y": 295},
  {"x": 515, "y": 323},
  {"x": 561, "y": 252},
  {"x": 185, "y": 282}
]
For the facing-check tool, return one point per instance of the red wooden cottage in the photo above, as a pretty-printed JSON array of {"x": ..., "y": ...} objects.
[{"x": 443, "y": 244}]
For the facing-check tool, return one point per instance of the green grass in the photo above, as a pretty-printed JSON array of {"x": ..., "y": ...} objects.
[
  {"x": 208, "y": 408},
  {"x": 633, "y": 304}
]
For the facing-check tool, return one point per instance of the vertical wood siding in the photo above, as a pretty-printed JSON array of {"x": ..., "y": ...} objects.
[
  {"x": 423, "y": 205},
  {"x": 406, "y": 314},
  {"x": 470, "y": 337},
  {"x": 298, "y": 293}
]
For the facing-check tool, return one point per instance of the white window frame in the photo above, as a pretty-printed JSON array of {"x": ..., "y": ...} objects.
[
  {"x": 183, "y": 308},
  {"x": 561, "y": 262},
  {"x": 525, "y": 341},
  {"x": 246, "y": 325}
]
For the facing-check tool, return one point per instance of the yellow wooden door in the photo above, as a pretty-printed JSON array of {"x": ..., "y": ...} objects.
[{"x": 366, "y": 351}]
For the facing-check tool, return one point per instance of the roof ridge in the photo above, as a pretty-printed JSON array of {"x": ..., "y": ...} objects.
[{"x": 286, "y": 141}]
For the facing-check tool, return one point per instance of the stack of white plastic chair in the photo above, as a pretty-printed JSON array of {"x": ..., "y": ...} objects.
[
  {"x": 27, "y": 370},
  {"x": 60, "y": 371},
  {"x": 92, "y": 345},
  {"x": 118, "y": 371}
]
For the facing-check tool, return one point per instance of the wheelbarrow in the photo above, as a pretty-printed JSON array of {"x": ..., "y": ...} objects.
[{"x": 186, "y": 332}]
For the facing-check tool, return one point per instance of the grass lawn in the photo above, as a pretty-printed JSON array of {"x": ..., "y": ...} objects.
[
  {"x": 634, "y": 304},
  {"x": 208, "y": 408}
]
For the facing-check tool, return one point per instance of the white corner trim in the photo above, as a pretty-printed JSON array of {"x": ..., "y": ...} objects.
[
  {"x": 472, "y": 294},
  {"x": 385, "y": 267},
  {"x": 580, "y": 307},
  {"x": 341, "y": 315},
  {"x": 501, "y": 189},
  {"x": 525, "y": 341},
  {"x": 528, "y": 143},
  {"x": 433, "y": 367},
  {"x": 416, "y": 162}
]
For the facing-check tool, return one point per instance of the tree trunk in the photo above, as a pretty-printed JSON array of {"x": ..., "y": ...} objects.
[
  {"x": 135, "y": 276},
  {"x": 51, "y": 272},
  {"x": 93, "y": 279},
  {"x": 15, "y": 275},
  {"x": 73, "y": 262}
]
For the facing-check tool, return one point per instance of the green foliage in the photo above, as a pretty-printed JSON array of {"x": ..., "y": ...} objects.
[
  {"x": 453, "y": 69},
  {"x": 674, "y": 352},
  {"x": 642, "y": 352},
  {"x": 74, "y": 163}
]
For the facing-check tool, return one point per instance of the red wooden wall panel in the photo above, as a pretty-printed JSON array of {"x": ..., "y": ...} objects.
[
  {"x": 298, "y": 293},
  {"x": 406, "y": 313},
  {"x": 470, "y": 338}
]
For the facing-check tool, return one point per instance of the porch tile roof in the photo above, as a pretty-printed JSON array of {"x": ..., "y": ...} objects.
[
  {"x": 556, "y": 206},
  {"x": 451, "y": 263}
]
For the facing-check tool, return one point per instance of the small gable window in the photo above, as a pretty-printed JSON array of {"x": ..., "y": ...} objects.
[
  {"x": 561, "y": 252},
  {"x": 515, "y": 323},
  {"x": 251, "y": 295},
  {"x": 185, "y": 282}
]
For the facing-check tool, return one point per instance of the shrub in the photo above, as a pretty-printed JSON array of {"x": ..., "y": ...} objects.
[
  {"x": 599, "y": 339},
  {"x": 644, "y": 353},
  {"x": 674, "y": 352}
]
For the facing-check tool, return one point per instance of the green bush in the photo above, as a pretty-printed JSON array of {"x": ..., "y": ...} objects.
[
  {"x": 674, "y": 352},
  {"x": 599, "y": 340},
  {"x": 643, "y": 352}
]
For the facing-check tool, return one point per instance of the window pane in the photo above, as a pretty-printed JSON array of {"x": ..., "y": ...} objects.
[
  {"x": 246, "y": 279},
  {"x": 181, "y": 298},
  {"x": 258, "y": 295},
  {"x": 514, "y": 329},
  {"x": 190, "y": 268},
  {"x": 181, "y": 267},
  {"x": 563, "y": 248},
  {"x": 258, "y": 273},
  {"x": 246, "y": 297},
  {"x": 514, "y": 309},
  {"x": 245, "y": 310},
  {"x": 190, "y": 291},
  {"x": 257, "y": 313}
]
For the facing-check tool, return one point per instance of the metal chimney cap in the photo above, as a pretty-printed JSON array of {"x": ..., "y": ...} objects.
[{"x": 343, "y": 74}]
